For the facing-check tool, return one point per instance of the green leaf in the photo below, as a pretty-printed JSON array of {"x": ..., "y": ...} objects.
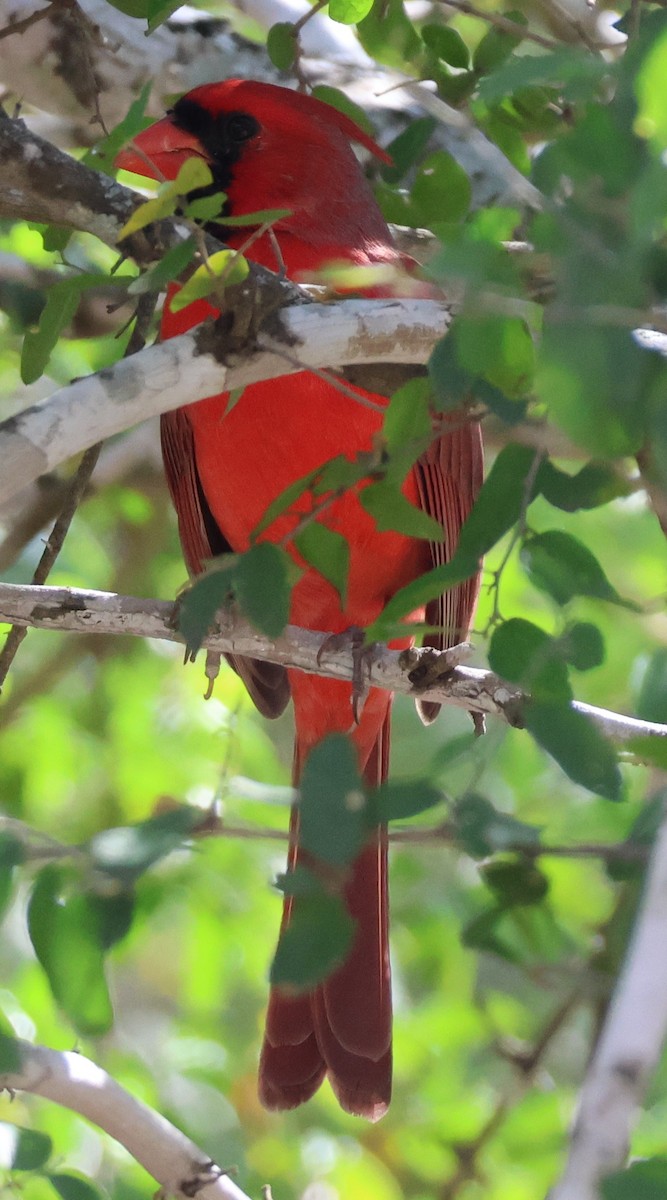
[
  {"x": 391, "y": 510},
  {"x": 170, "y": 266},
  {"x": 73, "y": 1186},
  {"x": 498, "y": 349},
  {"x": 342, "y": 103},
  {"x": 262, "y": 586},
  {"x": 224, "y": 268},
  {"x": 644, "y": 1180},
  {"x": 194, "y": 173},
  {"x": 563, "y": 567},
  {"x": 482, "y": 830},
  {"x": 200, "y": 603},
  {"x": 504, "y": 498},
  {"x": 652, "y": 699},
  {"x": 389, "y": 36},
  {"x": 397, "y": 801},
  {"x": 577, "y": 745},
  {"x": 285, "y": 501},
  {"x": 441, "y": 191},
  {"x": 62, "y": 301},
  {"x": 261, "y": 216},
  {"x": 582, "y": 644},
  {"x": 524, "y": 654},
  {"x": 102, "y": 156},
  {"x": 495, "y": 47},
  {"x": 11, "y": 1059},
  {"x": 408, "y": 415},
  {"x": 643, "y": 833},
  {"x": 328, "y": 552},
  {"x": 333, "y": 810},
  {"x": 316, "y": 941},
  {"x": 65, "y": 931},
  {"x": 281, "y": 45},
  {"x": 12, "y": 855},
  {"x": 595, "y": 484},
  {"x": 447, "y": 44},
  {"x": 159, "y": 11},
  {"x": 348, "y": 12},
  {"x": 408, "y": 147},
  {"x": 28, "y": 1148},
  {"x": 557, "y": 68},
  {"x": 515, "y": 883},
  {"x": 126, "y": 851},
  {"x": 206, "y": 208}
]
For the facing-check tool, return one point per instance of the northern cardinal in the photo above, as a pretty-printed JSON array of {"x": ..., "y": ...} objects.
[{"x": 269, "y": 147}]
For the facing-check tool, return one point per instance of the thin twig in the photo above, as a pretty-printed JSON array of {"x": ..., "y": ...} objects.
[
  {"x": 500, "y": 22},
  {"x": 52, "y": 549}
]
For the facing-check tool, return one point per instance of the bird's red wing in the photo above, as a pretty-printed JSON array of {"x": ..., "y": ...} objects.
[
  {"x": 201, "y": 540},
  {"x": 449, "y": 476}
]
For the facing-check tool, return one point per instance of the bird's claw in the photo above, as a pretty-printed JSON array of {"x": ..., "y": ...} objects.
[{"x": 353, "y": 639}]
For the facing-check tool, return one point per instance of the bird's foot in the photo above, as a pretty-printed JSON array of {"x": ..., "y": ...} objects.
[{"x": 363, "y": 655}]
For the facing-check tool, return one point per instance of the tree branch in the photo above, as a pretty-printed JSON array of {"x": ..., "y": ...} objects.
[
  {"x": 470, "y": 688},
  {"x": 202, "y": 363},
  {"x": 628, "y": 1050},
  {"x": 73, "y": 1081}
]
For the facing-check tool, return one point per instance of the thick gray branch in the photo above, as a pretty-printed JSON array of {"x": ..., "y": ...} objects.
[
  {"x": 475, "y": 690},
  {"x": 73, "y": 1081},
  {"x": 186, "y": 369}
]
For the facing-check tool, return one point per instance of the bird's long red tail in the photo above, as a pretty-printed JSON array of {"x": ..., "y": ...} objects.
[{"x": 343, "y": 1028}]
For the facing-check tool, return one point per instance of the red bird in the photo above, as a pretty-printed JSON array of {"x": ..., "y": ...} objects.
[{"x": 271, "y": 148}]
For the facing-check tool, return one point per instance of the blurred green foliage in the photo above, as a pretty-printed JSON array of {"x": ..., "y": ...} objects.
[{"x": 149, "y": 947}]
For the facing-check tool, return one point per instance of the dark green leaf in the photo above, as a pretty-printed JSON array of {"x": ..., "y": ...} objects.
[
  {"x": 71, "y": 1186},
  {"x": 563, "y": 567},
  {"x": 403, "y": 799},
  {"x": 504, "y": 497},
  {"x": 199, "y": 604},
  {"x": 316, "y": 941},
  {"x": 582, "y": 644},
  {"x": 447, "y": 44},
  {"x": 515, "y": 883},
  {"x": 170, "y": 267},
  {"x": 12, "y": 855},
  {"x": 10, "y": 1048},
  {"x": 408, "y": 147},
  {"x": 388, "y": 35},
  {"x": 62, "y": 302},
  {"x": 643, "y": 1180},
  {"x": 159, "y": 11},
  {"x": 334, "y": 816},
  {"x": 126, "y": 851},
  {"x": 285, "y": 501},
  {"x": 524, "y": 654},
  {"x": 652, "y": 699},
  {"x": 595, "y": 484},
  {"x": 642, "y": 834},
  {"x": 281, "y": 45},
  {"x": 495, "y": 47},
  {"x": 299, "y": 882},
  {"x": 482, "y": 830},
  {"x": 577, "y": 745},
  {"x": 506, "y": 492},
  {"x": 262, "y": 586},
  {"x": 29, "y": 1149},
  {"x": 65, "y": 931},
  {"x": 328, "y": 552}
]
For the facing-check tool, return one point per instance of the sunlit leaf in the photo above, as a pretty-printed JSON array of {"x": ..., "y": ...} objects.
[
  {"x": 222, "y": 269},
  {"x": 65, "y": 931}
]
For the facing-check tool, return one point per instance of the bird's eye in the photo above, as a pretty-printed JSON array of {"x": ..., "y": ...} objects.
[{"x": 240, "y": 127}]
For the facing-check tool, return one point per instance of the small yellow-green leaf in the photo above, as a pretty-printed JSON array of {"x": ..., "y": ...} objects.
[{"x": 224, "y": 268}]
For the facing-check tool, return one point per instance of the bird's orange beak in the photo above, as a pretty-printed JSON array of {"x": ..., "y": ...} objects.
[{"x": 160, "y": 151}]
